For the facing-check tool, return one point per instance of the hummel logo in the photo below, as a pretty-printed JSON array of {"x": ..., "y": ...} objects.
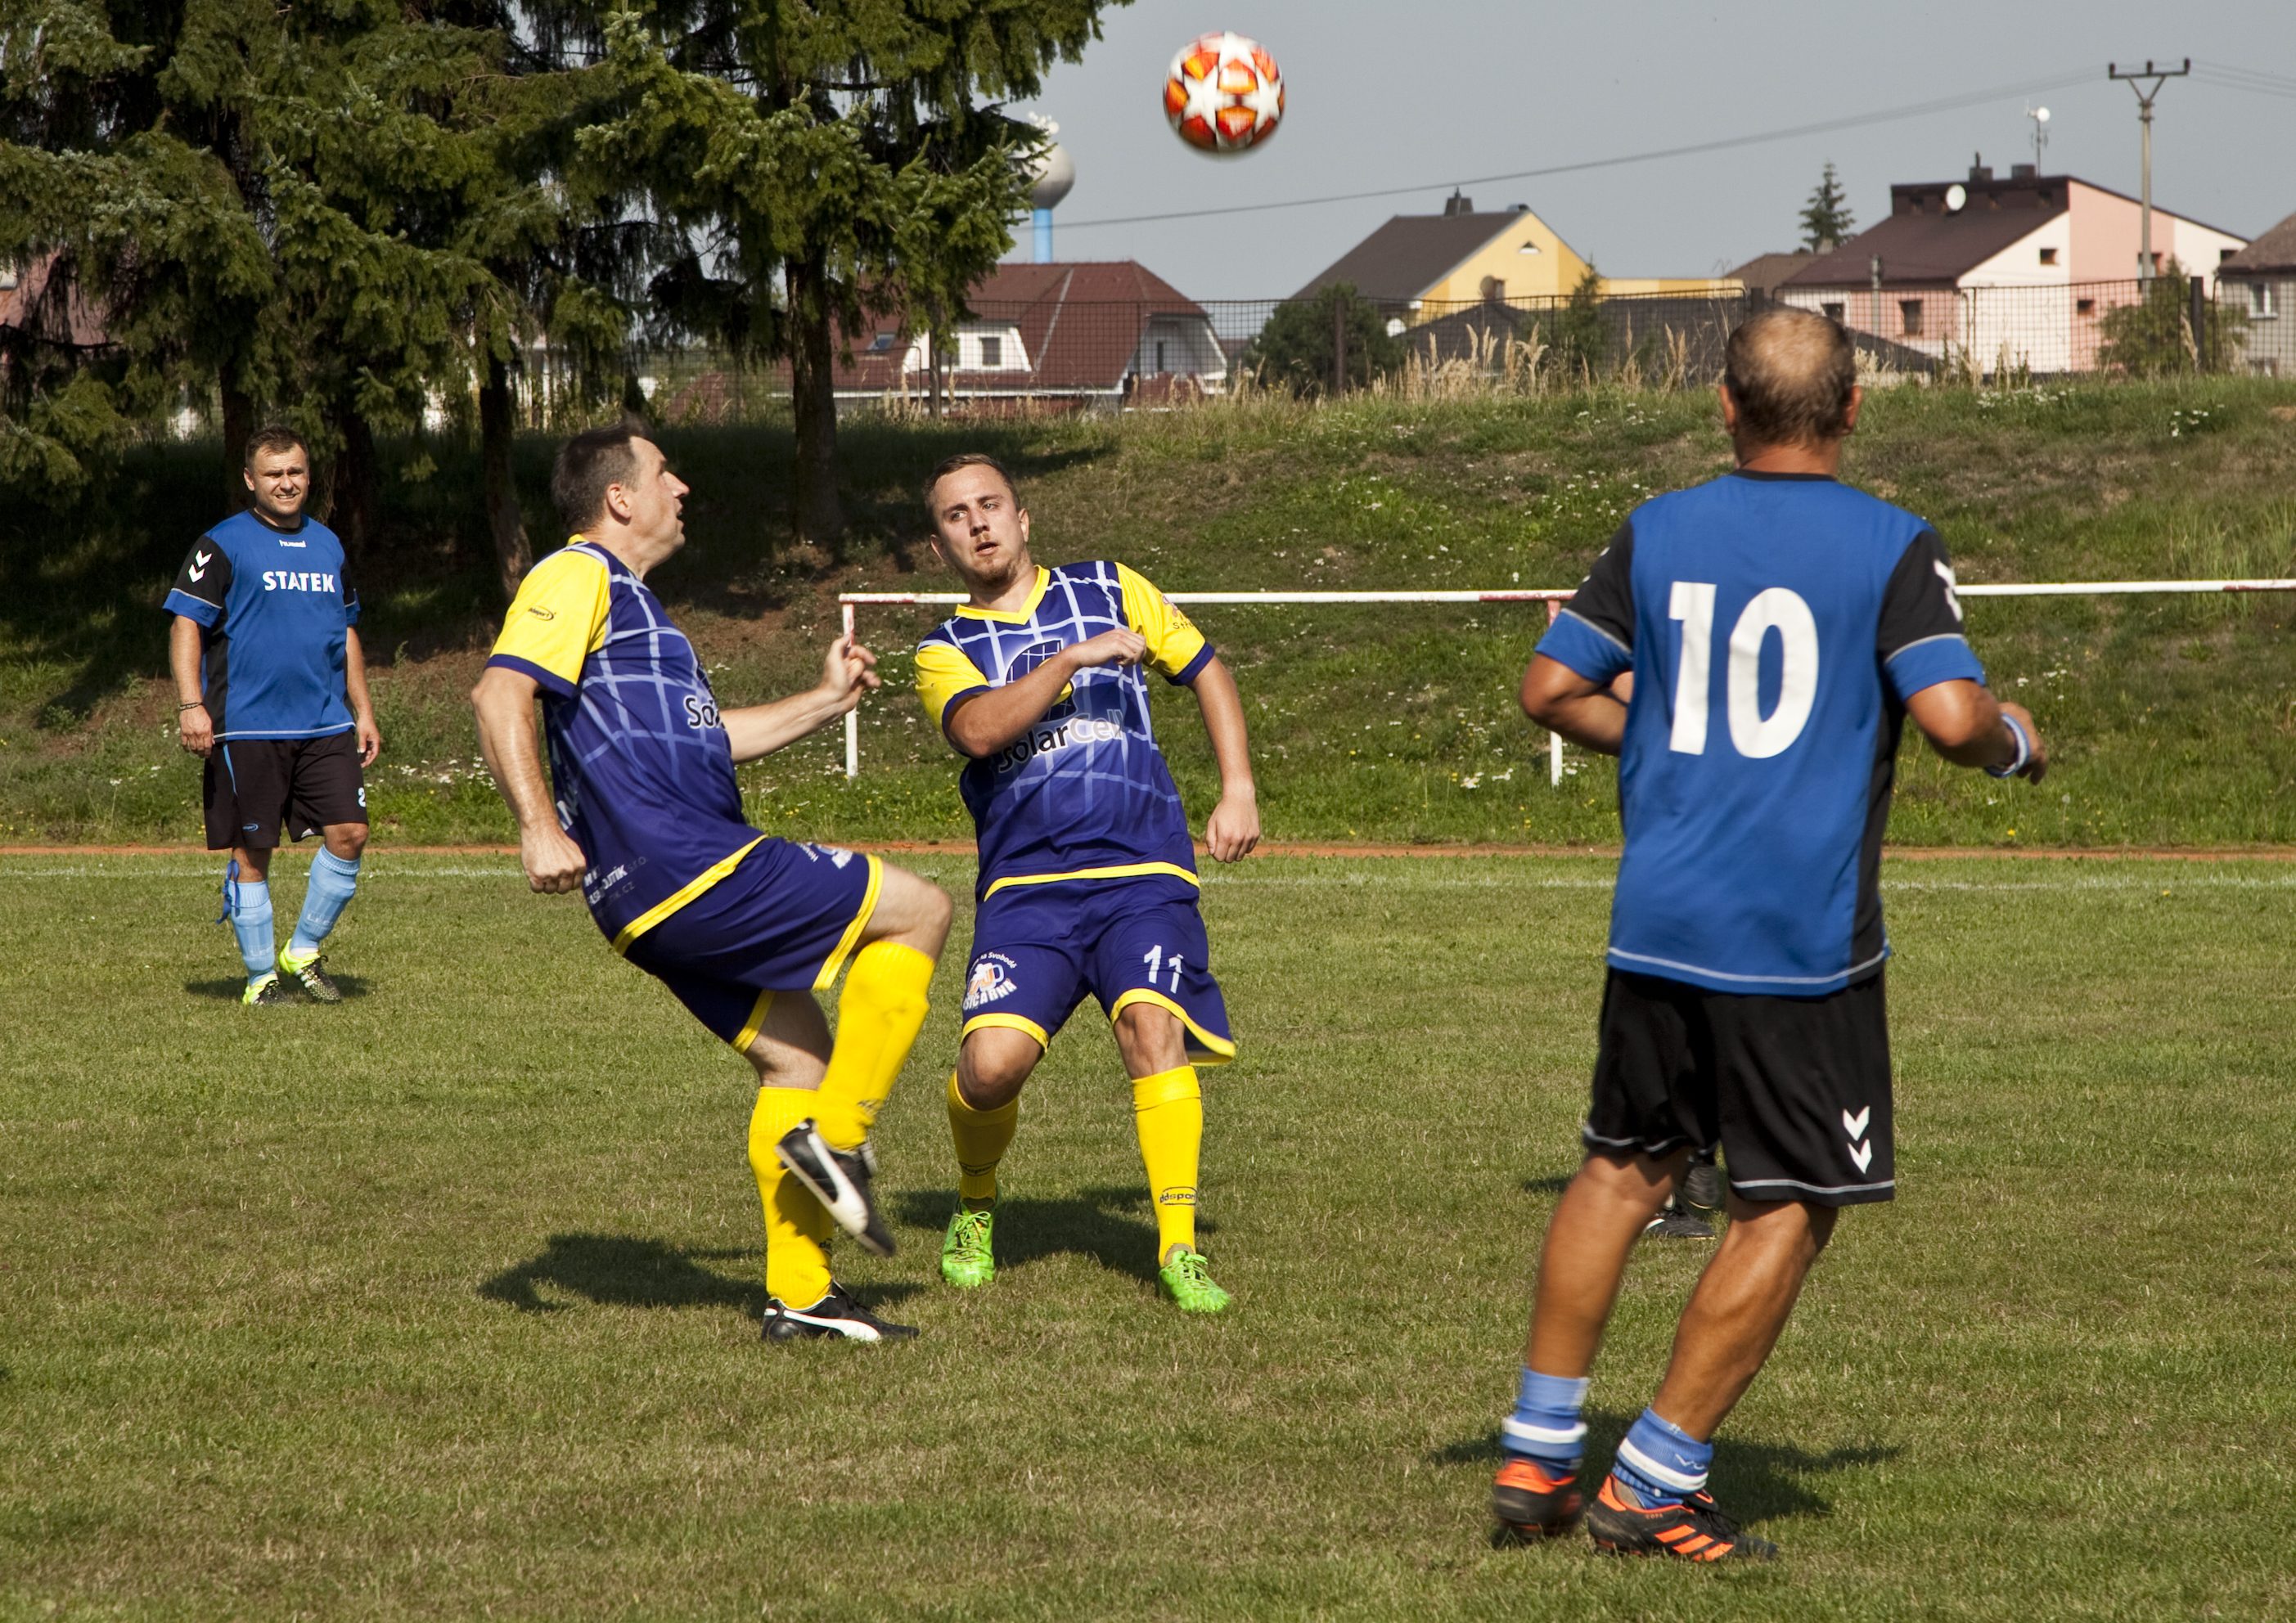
[
  {"x": 1863, "y": 1154},
  {"x": 1854, "y": 1125},
  {"x": 1952, "y": 598},
  {"x": 200, "y": 565}
]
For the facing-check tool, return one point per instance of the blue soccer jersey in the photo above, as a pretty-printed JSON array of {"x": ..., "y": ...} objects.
[
  {"x": 640, "y": 762},
  {"x": 1775, "y": 626},
  {"x": 273, "y": 607},
  {"x": 1084, "y": 793}
]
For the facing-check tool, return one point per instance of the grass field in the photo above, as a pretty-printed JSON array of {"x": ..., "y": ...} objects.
[
  {"x": 443, "y": 1303},
  {"x": 2172, "y": 722}
]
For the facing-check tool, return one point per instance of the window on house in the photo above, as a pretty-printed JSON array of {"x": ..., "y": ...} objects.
[
  {"x": 1836, "y": 311},
  {"x": 992, "y": 352},
  {"x": 2156, "y": 264},
  {"x": 2259, "y": 301},
  {"x": 1159, "y": 356},
  {"x": 2083, "y": 307},
  {"x": 1493, "y": 290},
  {"x": 1909, "y": 312},
  {"x": 2048, "y": 256},
  {"x": 882, "y": 342}
]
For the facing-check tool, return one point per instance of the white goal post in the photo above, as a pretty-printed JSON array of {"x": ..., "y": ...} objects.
[{"x": 849, "y": 602}]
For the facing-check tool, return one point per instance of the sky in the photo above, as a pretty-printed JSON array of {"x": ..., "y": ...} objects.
[{"x": 1423, "y": 95}]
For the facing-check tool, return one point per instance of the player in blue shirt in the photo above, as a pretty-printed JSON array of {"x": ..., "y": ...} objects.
[
  {"x": 272, "y": 691},
  {"x": 743, "y": 928},
  {"x": 1087, "y": 873},
  {"x": 1780, "y": 626}
]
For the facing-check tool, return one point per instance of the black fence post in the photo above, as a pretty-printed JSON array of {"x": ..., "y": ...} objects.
[{"x": 2200, "y": 318}]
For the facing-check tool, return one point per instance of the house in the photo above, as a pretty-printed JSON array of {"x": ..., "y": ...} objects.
[
  {"x": 1085, "y": 332},
  {"x": 2022, "y": 268},
  {"x": 32, "y": 306},
  {"x": 2260, "y": 280},
  {"x": 1419, "y": 267},
  {"x": 1761, "y": 275}
]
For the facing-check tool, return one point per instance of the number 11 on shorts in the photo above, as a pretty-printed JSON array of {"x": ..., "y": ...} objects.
[{"x": 1154, "y": 959}]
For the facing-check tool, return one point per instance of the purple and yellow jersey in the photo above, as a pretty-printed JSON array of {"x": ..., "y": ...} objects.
[
  {"x": 640, "y": 762},
  {"x": 1084, "y": 792}
]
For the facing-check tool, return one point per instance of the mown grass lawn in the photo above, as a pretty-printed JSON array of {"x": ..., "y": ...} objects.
[{"x": 443, "y": 1303}]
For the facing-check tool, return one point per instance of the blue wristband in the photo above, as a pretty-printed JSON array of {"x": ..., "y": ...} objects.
[{"x": 2024, "y": 750}]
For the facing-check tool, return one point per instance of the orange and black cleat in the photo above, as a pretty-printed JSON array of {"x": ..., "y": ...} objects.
[
  {"x": 1531, "y": 1505},
  {"x": 1691, "y": 1528}
]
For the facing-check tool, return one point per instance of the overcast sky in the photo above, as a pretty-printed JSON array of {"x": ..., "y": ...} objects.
[{"x": 1420, "y": 94}]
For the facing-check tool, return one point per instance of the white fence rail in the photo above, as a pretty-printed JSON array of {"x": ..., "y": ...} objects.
[{"x": 1554, "y": 598}]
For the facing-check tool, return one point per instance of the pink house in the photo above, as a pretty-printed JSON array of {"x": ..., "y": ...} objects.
[{"x": 2020, "y": 269}]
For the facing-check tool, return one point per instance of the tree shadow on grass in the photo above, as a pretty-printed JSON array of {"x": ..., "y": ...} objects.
[
  {"x": 1112, "y": 1223},
  {"x": 231, "y": 991},
  {"x": 627, "y": 1271},
  {"x": 1756, "y": 1481}
]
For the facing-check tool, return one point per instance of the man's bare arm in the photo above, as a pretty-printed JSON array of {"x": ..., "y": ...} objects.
[
  {"x": 848, "y": 671},
  {"x": 370, "y": 740},
  {"x": 1589, "y": 714},
  {"x": 1965, "y": 723},
  {"x": 196, "y": 726},
  {"x": 987, "y": 721},
  {"x": 504, "y": 700},
  {"x": 1233, "y": 827}
]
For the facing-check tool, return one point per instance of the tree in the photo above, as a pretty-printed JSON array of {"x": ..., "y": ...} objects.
[
  {"x": 2155, "y": 338},
  {"x": 1581, "y": 346},
  {"x": 1826, "y": 221},
  {"x": 813, "y": 166},
  {"x": 1294, "y": 350}
]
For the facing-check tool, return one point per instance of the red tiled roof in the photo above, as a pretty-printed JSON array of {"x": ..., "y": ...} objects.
[
  {"x": 2275, "y": 250},
  {"x": 1080, "y": 324}
]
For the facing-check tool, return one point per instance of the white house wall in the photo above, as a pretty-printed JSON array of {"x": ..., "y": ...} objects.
[
  {"x": 1190, "y": 349},
  {"x": 2030, "y": 320}
]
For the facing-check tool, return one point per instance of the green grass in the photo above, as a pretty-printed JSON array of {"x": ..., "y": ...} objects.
[
  {"x": 2171, "y": 720},
  {"x": 443, "y": 1302}
]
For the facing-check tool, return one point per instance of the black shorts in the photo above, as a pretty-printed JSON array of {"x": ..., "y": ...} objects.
[
  {"x": 1795, "y": 1089},
  {"x": 254, "y": 785}
]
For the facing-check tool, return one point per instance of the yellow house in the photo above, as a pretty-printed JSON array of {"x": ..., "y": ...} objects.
[{"x": 1423, "y": 266}]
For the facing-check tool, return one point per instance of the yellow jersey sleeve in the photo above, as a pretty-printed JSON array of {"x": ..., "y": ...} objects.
[
  {"x": 1175, "y": 648},
  {"x": 557, "y": 620},
  {"x": 945, "y": 675}
]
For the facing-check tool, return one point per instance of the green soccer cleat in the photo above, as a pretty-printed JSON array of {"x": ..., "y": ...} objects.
[
  {"x": 967, "y": 1261},
  {"x": 265, "y": 994},
  {"x": 1188, "y": 1282},
  {"x": 310, "y": 975}
]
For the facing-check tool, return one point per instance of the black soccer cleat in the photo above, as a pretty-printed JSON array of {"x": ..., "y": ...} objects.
[
  {"x": 840, "y": 1180},
  {"x": 1675, "y": 1223},
  {"x": 1530, "y": 1504},
  {"x": 835, "y": 1315},
  {"x": 1693, "y": 1528},
  {"x": 1702, "y": 1189}
]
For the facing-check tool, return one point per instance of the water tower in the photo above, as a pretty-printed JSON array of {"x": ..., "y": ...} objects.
[{"x": 1055, "y": 174}]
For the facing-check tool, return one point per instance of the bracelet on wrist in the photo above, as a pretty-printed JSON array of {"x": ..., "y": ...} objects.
[
  {"x": 190, "y": 705},
  {"x": 2024, "y": 750}
]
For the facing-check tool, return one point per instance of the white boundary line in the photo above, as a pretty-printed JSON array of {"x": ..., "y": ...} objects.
[{"x": 1554, "y": 598}]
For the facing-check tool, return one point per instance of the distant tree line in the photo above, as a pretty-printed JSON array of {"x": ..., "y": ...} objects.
[{"x": 336, "y": 212}]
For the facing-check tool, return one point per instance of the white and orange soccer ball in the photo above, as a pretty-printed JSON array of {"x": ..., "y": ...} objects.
[{"x": 1224, "y": 93}]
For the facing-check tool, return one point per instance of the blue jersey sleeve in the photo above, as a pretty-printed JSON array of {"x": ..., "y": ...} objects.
[
  {"x": 201, "y": 584},
  {"x": 1594, "y": 633},
  {"x": 1920, "y": 641}
]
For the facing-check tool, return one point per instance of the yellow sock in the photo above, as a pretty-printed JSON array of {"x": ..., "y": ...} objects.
[
  {"x": 982, "y": 1137},
  {"x": 879, "y": 1015},
  {"x": 797, "y": 1259},
  {"x": 1169, "y": 1110}
]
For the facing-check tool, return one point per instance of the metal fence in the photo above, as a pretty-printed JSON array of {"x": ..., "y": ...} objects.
[{"x": 1145, "y": 354}]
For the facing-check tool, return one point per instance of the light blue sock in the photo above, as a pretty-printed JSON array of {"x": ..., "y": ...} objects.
[
  {"x": 1546, "y": 1425},
  {"x": 249, "y": 908},
  {"x": 1660, "y": 1462},
  {"x": 332, "y": 882}
]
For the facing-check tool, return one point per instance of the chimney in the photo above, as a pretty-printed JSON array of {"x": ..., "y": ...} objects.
[
  {"x": 2023, "y": 171},
  {"x": 1457, "y": 204},
  {"x": 1977, "y": 168}
]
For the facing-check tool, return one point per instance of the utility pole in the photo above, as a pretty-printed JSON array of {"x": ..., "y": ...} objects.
[{"x": 2158, "y": 75}]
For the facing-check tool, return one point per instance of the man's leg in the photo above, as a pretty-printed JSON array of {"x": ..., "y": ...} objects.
[
  {"x": 984, "y": 1112},
  {"x": 334, "y": 878},
  {"x": 883, "y": 1005},
  {"x": 246, "y": 903},
  {"x": 1168, "y": 1112}
]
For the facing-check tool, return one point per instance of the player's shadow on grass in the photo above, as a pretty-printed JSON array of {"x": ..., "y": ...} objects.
[
  {"x": 232, "y": 991},
  {"x": 624, "y": 1271},
  {"x": 1112, "y": 1223},
  {"x": 1755, "y": 1480},
  {"x": 1551, "y": 1183}
]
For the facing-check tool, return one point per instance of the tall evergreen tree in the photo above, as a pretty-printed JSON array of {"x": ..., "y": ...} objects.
[
  {"x": 819, "y": 164},
  {"x": 1826, "y": 221}
]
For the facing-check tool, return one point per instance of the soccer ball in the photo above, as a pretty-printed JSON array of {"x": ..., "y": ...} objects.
[{"x": 1224, "y": 93}]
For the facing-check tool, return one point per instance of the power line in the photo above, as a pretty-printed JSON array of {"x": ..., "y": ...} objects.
[
  {"x": 2278, "y": 81},
  {"x": 1827, "y": 127}
]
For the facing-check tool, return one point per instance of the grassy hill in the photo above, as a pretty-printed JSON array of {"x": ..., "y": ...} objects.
[{"x": 2173, "y": 722}]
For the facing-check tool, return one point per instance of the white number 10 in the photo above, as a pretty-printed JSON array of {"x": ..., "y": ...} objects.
[{"x": 1753, "y": 734}]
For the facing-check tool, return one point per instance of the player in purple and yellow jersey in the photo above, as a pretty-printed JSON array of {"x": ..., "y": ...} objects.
[
  {"x": 742, "y": 928},
  {"x": 1087, "y": 878},
  {"x": 271, "y": 686}
]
